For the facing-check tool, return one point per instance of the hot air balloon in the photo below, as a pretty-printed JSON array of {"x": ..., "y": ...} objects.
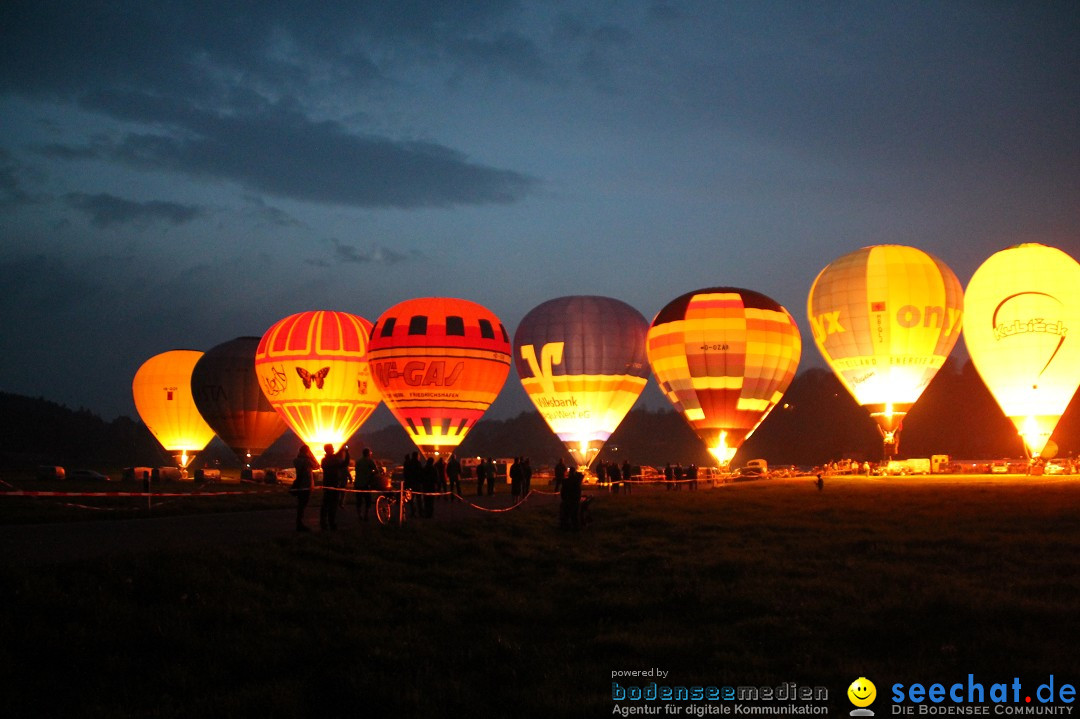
[
  {"x": 1023, "y": 334},
  {"x": 162, "y": 393},
  {"x": 885, "y": 318},
  {"x": 724, "y": 357},
  {"x": 439, "y": 363},
  {"x": 227, "y": 392},
  {"x": 582, "y": 361},
  {"x": 313, "y": 367}
]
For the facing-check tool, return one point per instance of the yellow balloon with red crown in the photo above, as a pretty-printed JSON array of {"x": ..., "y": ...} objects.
[{"x": 313, "y": 368}]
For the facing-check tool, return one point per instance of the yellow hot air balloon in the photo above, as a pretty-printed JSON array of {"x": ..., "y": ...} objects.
[
  {"x": 162, "y": 393},
  {"x": 1023, "y": 334},
  {"x": 885, "y": 318},
  {"x": 724, "y": 357},
  {"x": 313, "y": 367}
]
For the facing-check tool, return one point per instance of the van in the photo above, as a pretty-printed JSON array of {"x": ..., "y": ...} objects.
[
  {"x": 50, "y": 471},
  {"x": 757, "y": 466}
]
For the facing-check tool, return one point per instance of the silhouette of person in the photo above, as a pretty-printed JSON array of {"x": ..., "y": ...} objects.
[
  {"x": 335, "y": 467},
  {"x": 481, "y": 476},
  {"x": 430, "y": 480},
  {"x": 515, "y": 479},
  {"x": 305, "y": 463},
  {"x": 366, "y": 473},
  {"x": 453, "y": 474},
  {"x": 570, "y": 500},
  {"x": 627, "y": 475},
  {"x": 492, "y": 470},
  {"x": 560, "y": 473}
]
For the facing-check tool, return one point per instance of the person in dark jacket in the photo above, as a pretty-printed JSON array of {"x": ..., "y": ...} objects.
[{"x": 305, "y": 463}]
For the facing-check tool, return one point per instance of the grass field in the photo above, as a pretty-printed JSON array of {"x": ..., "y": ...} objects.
[{"x": 505, "y": 615}]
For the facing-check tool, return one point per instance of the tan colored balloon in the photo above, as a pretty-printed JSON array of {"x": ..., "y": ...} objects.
[{"x": 885, "y": 318}]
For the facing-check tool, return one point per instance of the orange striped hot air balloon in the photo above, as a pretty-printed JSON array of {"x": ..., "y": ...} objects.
[
  {"x": 724, "y": 357},
  {"x": 439, "y": 362},
  {"x": 313, "y": 367},
  {"x": 162, "y": 392}
]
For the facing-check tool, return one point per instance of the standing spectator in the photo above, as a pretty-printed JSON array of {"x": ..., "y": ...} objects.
[
  {"x": 515, "y": 479},
  {"x": 492, "y": 471},
  {"x": 627, "y": 475},
  {"x": 440, "y": 476},
  {"x": 526, "y": 477},
  {"x": 570, "y": 501},
  {"x": 615, "y": 477},
  {"x": 601, "y": 475},
  {"x": 429, "y": 480},
  {"x": 481, "y": 475},
  {"x": 560, "y": 473},
  {"x": 453, "y": 474},
  {"x": 305, "y": 463},
  {"x": 335, "y": 468},
  {"x": 669, "y": 476},
  {"x": 366, "y": 473}
]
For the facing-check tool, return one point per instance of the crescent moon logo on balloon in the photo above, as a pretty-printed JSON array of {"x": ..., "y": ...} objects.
[{"x": 1001, "y": 334}]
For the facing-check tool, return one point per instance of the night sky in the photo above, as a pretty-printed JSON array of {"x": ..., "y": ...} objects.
[{"x": 177, "y": 174}]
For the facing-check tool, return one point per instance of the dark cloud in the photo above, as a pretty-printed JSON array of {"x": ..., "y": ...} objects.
[
  {"x": 269, "y": 214},
  {"x": 106, "y": 210},
  {"x": 374, "y": 255},
  {"x": 11, "y": 189},
  {"x": 280, "y": 151},
  {"x": 230, "y": 89}
]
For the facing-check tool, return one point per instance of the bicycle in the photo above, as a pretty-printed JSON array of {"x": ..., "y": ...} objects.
[{"x": 390, "y": 506}]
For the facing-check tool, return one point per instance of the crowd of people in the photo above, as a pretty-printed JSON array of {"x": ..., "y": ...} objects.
[{"x": 425, "y": 479}]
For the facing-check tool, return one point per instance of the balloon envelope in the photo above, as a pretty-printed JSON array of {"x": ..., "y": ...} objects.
[
  {"x": 162, "y": 393},
  {"x": 582, "y": 361},
  {"x": 885, "y": 318},
  {"x": 227, "y": 392},
  {"x": 439, "y": 363},
  {"x": 313, "y": 368},
  {"x": 724, "y": 357},
  {"x": 1023, "y": 334}
]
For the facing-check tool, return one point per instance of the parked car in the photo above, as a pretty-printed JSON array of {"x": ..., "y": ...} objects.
[
  {"x": 50, "y": 471},
  {"x": 87, "y": 475}
]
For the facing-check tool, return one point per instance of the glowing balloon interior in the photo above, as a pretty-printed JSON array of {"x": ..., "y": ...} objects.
[
  {"x": 724, "y": 357},
  {"x": 439, "y": 363},
  {"x": 885, "y": 318},
  {"x": 1023, "y": 316},
  {"x": 162, "y": 393},
  {"x": 313, "y": 368},
  {"x": 227, "y": 392},
  {"x": 582, "y": 361}
]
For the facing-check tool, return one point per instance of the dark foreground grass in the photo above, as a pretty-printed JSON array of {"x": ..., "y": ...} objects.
[{"x": 507, "y": 616}]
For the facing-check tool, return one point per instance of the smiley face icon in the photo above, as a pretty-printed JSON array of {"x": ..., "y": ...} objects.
[{"x": 862, "y": 692}]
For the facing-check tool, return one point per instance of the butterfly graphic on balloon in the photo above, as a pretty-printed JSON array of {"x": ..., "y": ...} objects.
[{"x": 313, "y": 377}]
